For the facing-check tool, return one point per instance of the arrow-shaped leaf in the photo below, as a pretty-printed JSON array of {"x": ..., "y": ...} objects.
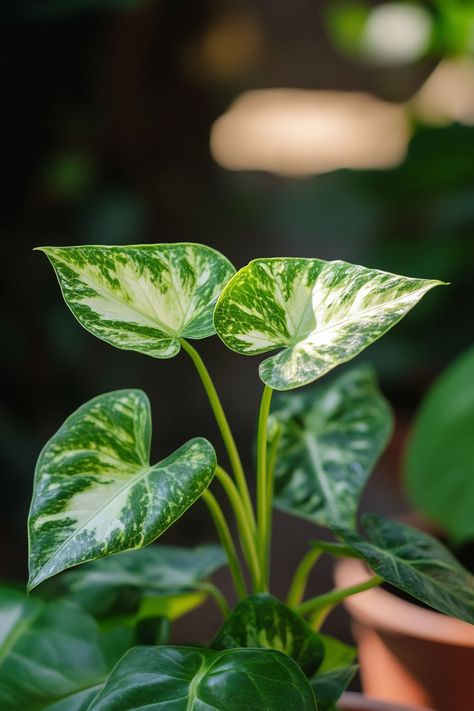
[
  {"x": 95, "y": 491},
  {"x": 263, "y": 621},
  {"x": 52, "y": 655},
  {"x": 330, "y": 440},
  {"x": 416, "y": 563},
  {"x": 191, "y": 679},
  {"x": 320, "y": 313},
  {"x": 144, "y": 297}
]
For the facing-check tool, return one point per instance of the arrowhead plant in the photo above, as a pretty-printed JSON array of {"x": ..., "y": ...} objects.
[{"x": 99, "y": 502}]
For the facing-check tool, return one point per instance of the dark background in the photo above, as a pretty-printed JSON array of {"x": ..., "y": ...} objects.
[{"x": 106, "y": 119}]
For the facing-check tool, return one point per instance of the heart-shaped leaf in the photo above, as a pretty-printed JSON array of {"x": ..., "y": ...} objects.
[
  {"x": 52, "y": 655},
  {"x": 144, "y": 297},
  {"x": 96, "y": 492},
  {"x": 191, "y": 679},
  {"x": 263, "y": 621},
  {"x": 440, "y": 455},
  {"x": 157, "y": 570},
  {"x": 330, "y": 440},
  {"x": 321, "y": 313},
  {"x": 416, "y": 563}
]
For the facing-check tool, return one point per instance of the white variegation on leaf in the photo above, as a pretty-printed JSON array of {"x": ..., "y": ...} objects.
[
  {"x": 96, "y": 492},
  {"x": 320, "y": 313},
  {"x": 330, "y": 439},
  {"x": 143, "y": 297}
]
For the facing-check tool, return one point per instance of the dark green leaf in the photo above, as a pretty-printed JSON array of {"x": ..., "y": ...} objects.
[
  {"x": 191, "y": 679},
  {"x": 53, "y": 656},
  {"x": 263, "y": 621},
  {"x": 96, "y": 492},
  {"x": 331, "y": 438},
  {"x": 334, "y": 674},
  {"x": 416, "y": 563},
  {"x": 330, "y": 686},
  {"x": 123, "y": 580},
  {"x": 440, "y": 455}
]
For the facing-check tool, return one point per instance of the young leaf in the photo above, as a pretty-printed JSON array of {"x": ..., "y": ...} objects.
[
  {"x": 192, "y": 679},
  {"x": 96, "y": 492},
  {"x": 416, "y": 563},
  {"x": 157, "y": 570},
  {"x": 143, "y": 297},
  {"x": 331, "y": 438},
  {"x": 52, "y": 655},
  {"x": 440, "y": 456},
  {"x": 263, "y": 621},
  {"x": 321, "y": 313}
]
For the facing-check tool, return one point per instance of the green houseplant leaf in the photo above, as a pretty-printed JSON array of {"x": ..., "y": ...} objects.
[
  {"x": 263, "y": 621},
  {"x": 95, "y": 491},
  {"x": 143, "y": 297},
  {"x": 157, "y": 570},
  {"x": 439, "y": 464},
  {"x": 191, "y": 679},
  {"x": 52, "y": 655},
  {"x": 320, "y": 313},
  {"x": 330, "y": 440},
  {"x": 335, "y": 673},
  {"x": 416, "y": 563}
]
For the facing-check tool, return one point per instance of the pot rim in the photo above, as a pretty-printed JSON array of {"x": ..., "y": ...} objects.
[
  {"x": 383, "y": 610},
  {"x": 353, "y": 700}
]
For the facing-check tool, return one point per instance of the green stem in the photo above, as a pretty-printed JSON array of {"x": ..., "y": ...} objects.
[
  {"x": 224, "y": 429},
  {"x": 215, "y": 593},
  {"x": 300, "y": 578},
  {"x": 318, "y": 618},
  {"x": 336, "y": 596},
  {"x": 227, "y": 543},
  {"x": 272, "y": 456},
  {"x": 262, "y": 488},
  {"x": 246, "y": 537}
]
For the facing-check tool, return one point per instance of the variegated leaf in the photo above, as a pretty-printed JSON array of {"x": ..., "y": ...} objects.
[
  {"x": 96, "y": 492},
  {"x": 263, "y": 621},
  {"x": 330, "y": 440},
  {"x": 145, "y": 297},
  {"x": 321, "y": 313},
  {"x": 416, "y": 563}
]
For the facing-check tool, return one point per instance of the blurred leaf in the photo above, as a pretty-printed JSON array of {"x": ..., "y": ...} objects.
[
  {"x": 121, "y": 582},
  {"x": 440, "y": 456},
  {"x": 345, "y": 22},
  {"x": 53, "y": 654},
  {"x": 329, "y": 686},
  {"x": 330, "y": 440}
]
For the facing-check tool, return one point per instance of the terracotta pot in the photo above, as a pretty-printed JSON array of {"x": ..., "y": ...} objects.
[
  {"x": 358, "y": 702},
  {"x": 409, "y": 654}
]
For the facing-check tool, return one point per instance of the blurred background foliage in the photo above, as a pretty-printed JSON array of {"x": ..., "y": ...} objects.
[{"x": 338, "y": 129}]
